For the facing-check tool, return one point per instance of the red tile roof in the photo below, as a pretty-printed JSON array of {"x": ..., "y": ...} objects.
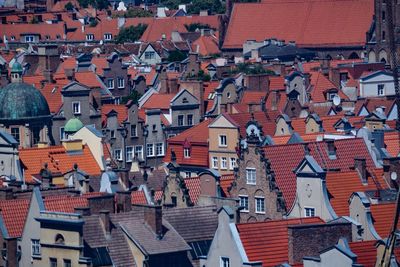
[
  {"x": 88, "y": 78},
  {"x": 308, "y": 23},
  {"x": 268, "y": 241},
  {"x": 225, "y": 182},
  {"x": 65, "y": 203},
  {"x": 283, "y": 166},
  {"x": 267, "y": 120},
  {"x": 342, "y": 184},
  {"x": 365, "y": 251},
  {"x": 320, "y": 86},
  {"x": 158, "y": 101},
  {"x": 52, "y": 93},
  {"x": 120, "y": 109},
  {"x": 138, "y": 197},
  {"x": 382, "y": 215},
  {"x": 276, "y": 83},
  {"x": 392, "y": 142},
  {"x": 193, "y": 184},
  {"x": 206, "y": 45},
  {"x": 58, "y": 159},
  {"x": 14, "y": 214},
  {"x": 43, "y": 29},
  {"x": 253, "y": 97}
]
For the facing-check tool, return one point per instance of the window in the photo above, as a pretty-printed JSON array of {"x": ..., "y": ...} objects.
[
  {"x": 223, "y": 163},
  {"x": 89, "y": 37},
  {"x": 150, "y": 150},
  {"x": 117, "y": 154},
  {"x": 47, "y": 37},
  {"x": 188, "y": 174},
  {"x": 383, "y": 15},
  {"x": 186, "y": 152},
  {"x": 139, "y": 152},
  {"x": 232, "y": 163},
  {"x": 35, "y": 247},
  {"x": 214, "y": 162},
  {"x": 160, "y": 149},
  {"x": 59, "y": 239},
  {"x": 129, "y": 153},
  {"x": 174, "y": 201},
  {"x": 180, "y": 120},
  {"x": 58, "y": 37},
  {"x": 12, "y": 38},
  {"x": 149, "y": 55},
  {"x": 189, "y": 119},
  {"x": 133, "y": 130},
  {"x": 224, "y": 262},
  {"x": 260, "y": 205},
  {"x": 251, "y": 176},
  {"x": 309, "y": 212},
  {"x": 381, "y": 89},
  {"x": 110, "y": 83},
  {"x": 244, "y": 203},
  {"x": 332, "y": 96},
  {"x": 112, "y": 134},
  {"x": 108, "y": 36},
  {"x": 222, "y": 140},
  {"x": 29, "y": 39},
  {"x": 62, "y": 133},
  {"x": 53, "y": 262},
  {"x": 76, "y": 107},
  {"x": 121, "y": 82},
  {"x": 67, "y": 263},
  {"x": 15, "y": 133},
  {"x": 383, "y": 36}
]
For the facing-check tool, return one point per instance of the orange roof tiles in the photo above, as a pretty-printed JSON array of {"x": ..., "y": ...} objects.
[
  {"x": 43, "y": 29},
  {"x": 392, "y": 142},
  {"x": 321, "y": 85},
  {"x": 138, "y": 197},
  {"x": 52, "y": 93},
  {"x": 206, "y": 45},
  {"x": 193, "y": 184},
  {"x": 225, "y": 182},
  {"x": 383, "y": 215},
  {"x": 88, "y": 78},
  {"x": 308, "y": 23},
  {"x": 341, "y": 186},
  {"x": 120, "y": 109},
  {"x": 58, "y": 159},
  {"x": 365, "y": 251},
  {"x": 268, "y": 241},
  {"x": 276, "y": 83},
  {"x": 65, "y": 203},
  {"x": 14, "y": 214},
  {"x": 158, "y": 101},
  {"x": 253, "y": 97},
  {"x": 195, "y": 134}
]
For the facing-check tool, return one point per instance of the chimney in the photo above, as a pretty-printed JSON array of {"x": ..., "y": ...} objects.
[
  {"x": 378, "y": 136},
  {"x": 99, "y": 203},
  {"x": 360, "y": 165},
  {"x": 83, "y": 211},
  {"x": 276, "y": 97},
  {"x": 254, "y": 54},
  {"x": 105, "y": 219},
  {"x": 6, "y": 193},
  {"x": 70, "y": 74},
  {"x": 330, "y": 144},
  {"x": 153, "y": 217},
  {"x": 124, "y": 203}
]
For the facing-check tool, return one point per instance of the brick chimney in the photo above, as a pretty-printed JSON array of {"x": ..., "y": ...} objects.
[
  {"x": 153, "y": 217},
  {"x": 105, "y": 219},
  {"x": 276, "y": 97},
  {"x": 83, "y": 211},
  {"x": 98, "y": 203},
  {"x": 70, "y": 74},
  {"x": 360, "y": 165},
  {"x": 6, "y": 193},
  {"x": 124, "y": 203},
  {"x": 330, "y": 144}
]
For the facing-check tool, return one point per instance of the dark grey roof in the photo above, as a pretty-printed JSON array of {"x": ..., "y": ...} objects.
[
  {"x": 295, "y": 138},
  {"x": 282, "y": 52},
  {"x": 155, "y": 179},
  {"x": 9, "y": 138},
  {"x": 193, "y": 223},
  {"x": 141, "y": 233}
]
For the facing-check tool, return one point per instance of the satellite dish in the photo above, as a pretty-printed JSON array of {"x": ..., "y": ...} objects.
[
  {"x": 393, "y": 176},
  {"x": 336, "y": 100}
]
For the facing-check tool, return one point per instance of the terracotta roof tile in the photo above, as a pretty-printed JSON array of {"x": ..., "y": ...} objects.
[
  {"x": 193, "y": 184},
  {"x": 225, "y": 182},
  {"x": 88, "y": 78},
  {"x": 382, "y": 215},
  {"x": 276, "y": 83},
  {"x": 138, "y": 197},
  {"x": 120, "y": 109},
  {"x": 158, "y": 101},
  {"x": 65, "y": 203},
  {"x": 308, "y": 23},
  {"x": 206, "y": 45},
  {"x": 365, "y": 251},
  {"x": 14, "y": 214},
  {"x": 253, "y": 97},
  {"x": 268, "y": 241}
]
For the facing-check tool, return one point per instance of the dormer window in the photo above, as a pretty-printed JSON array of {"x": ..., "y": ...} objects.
[
  {"x": 89, "y": 37},
  {"x": 29, "y": 39},
  {"x": 76, "y": 107},
  {"x": 186, "y": 153},
  {"x": 107, "y": 36},
  {"x": 58, "y": 37},
  {"x": 47, "y": 37},
  {"x": 12, "y": 38}
]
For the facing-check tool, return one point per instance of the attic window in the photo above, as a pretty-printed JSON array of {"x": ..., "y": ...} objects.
[
  {"x": 89, "y": 37},
  {"x": 185, "y": 100},
  {"x": 12, "y": 38},
  {"x": 58, "y": 37},
  {"x": 108, "y": 36},
  {"x": 47, "y": 37},
  {"x": 59, "y": 239}
]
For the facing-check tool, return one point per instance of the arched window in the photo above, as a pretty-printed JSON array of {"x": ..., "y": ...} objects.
[
  {"x": 59, "y": 239},
  {"x": 371, "y": 56}
]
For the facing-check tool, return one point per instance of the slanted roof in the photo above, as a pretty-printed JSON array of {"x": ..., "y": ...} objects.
[
  {"x": 308, "y": 23},
  {"x": 268, "y": 241},
  {"x": 13, "y": 213},
  {"x": 158, "y": 101},
  {"x": 382, "y": 215},
  {"x": 365, "y": 251}
]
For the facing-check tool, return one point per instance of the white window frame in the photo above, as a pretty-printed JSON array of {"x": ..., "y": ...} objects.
[
  {"x": 110, "y": 83},
  {"x": 224, "y": 163},
  {"x": 149, "y": 55},
  {"x": 79, "y": 107},
  {"x": 107, "y": 36},
  {"x": 224, "y": 262},
  {"x": 251, "y": 182},
  {"x": 309, "y": 209},
  {"x": 187, "y": 119},
  {"x": 158, "y": 145},
  {"x": 381, "y": 91},
  {"x": 119, "y": 84},
  {"x": 186, "y": 153},
  {"x": 232, "y": 163},
  {"x": 112, "y": 134},
  {"x": 258, "y": 209},
  {"x": 245, "y": 207},
  {"x": 129, "y": 156},
  {"x": 222, "y": 140},
  {"x": 214, "y": 162},
  {"x": 89, "y": 37},
  {"x": 188, "y": 174},
  {"x": 35, "y": 247},
  {"x": 133, "y": 130},
  {"x": 139, "y": 155},
  {"x": 148, "y": 146},
  {"x": 183, "y": 120},
  {"x": 62, "y": 133},
  {"x": 118, "y": 154},
  {"x": 29, "y": 38}
]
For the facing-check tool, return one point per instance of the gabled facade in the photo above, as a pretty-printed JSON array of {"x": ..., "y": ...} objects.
[
  {"x": 377, "y": 84},
  {"x": 150, "y": 55}
]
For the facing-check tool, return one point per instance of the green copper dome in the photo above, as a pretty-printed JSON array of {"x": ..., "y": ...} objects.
[
  {"x": 22, "y": 102},
  {"x": 16, "y": 67},
  {"x": 73, "y": 125}
]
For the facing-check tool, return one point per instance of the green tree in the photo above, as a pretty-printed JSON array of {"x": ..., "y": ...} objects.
[
  {"x": 176, "y": 55},
  {"x": 130, "y": 34},
  {"x": 173, "y": 4},
  {"x": 249, "y": 68},
  {"x": 213, "y": 6},
  {"x": 69, "y": 6},
  {"x": 137, "y": 13},
  {"x": 134, "y": 96}
]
